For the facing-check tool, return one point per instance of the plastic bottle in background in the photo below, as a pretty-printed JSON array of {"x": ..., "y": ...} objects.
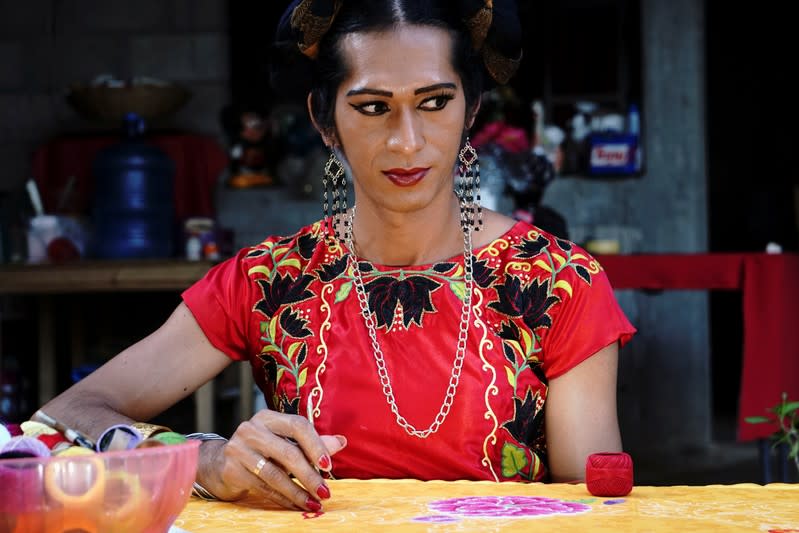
[
  {"x": 194, "y": 248},
  {"x": 634, "y": 128},
  {"x": 134, "y": 196}
]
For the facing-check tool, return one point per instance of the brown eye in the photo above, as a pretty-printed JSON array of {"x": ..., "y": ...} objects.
[
  {"x": 371, "y": 108},
  {"x": 436, "y": 103}
]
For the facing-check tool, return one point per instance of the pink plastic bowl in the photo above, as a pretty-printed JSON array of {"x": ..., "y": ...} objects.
[{"x": 141, "y": 490}]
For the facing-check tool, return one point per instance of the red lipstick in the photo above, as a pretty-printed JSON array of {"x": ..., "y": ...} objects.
[{"x": 406, "y": 177}]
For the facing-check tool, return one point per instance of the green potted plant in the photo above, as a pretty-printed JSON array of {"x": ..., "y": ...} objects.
[{"x": 786, "y": 416}]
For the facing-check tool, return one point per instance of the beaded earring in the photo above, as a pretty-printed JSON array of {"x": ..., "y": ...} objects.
[
  {"x": 468, "y": 187},
  {"x": 334, "y": 195}
]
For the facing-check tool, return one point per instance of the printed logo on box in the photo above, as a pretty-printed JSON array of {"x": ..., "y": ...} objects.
[{"x": 610, "y": 155}]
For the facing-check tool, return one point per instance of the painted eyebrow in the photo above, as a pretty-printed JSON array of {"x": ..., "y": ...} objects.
[{"x": 389, "y": 94}]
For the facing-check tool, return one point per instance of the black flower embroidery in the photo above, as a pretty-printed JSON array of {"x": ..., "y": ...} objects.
[
  {"x": 293, "y": 325},
  {"x": 526, "y": 422},
  {"x": 365, "y": 266},
  {"x": 510, "y": 355},
  {"x": 443, "y": 268},
  {"x": 531, "y": 302},
  {"x": 510, "y": 331},
  {"x": 256, "y": 251},
  {"x": 583, "y": 273},
  {"x": 529, "y": 249},
  {"x": 538, "y": 369},
  {"x": 302, "y": 354},
  {"x": 565, "y": 245},
  {"x": 306, "y": 245},
  {"x": 288, "y": 406},
  {"x": 413, "y": 293},
  {"x": 331, "y": 271},
  {"x": 282, "y": 290},
  {"x": 483, "y": 275},
  {"x": 269, "y": 368}
]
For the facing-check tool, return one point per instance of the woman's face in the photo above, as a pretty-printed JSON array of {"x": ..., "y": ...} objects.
[{"x": 399, "y": 116}]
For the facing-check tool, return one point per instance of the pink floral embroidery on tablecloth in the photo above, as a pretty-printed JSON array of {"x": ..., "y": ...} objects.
[{"x": 505, "y": 507}]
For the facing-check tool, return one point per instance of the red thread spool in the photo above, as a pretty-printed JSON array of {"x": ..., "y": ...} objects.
[{"x": 609, "y": 474}]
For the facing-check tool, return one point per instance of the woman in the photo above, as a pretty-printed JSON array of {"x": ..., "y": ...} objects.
[{"x": 415, "y": 336}]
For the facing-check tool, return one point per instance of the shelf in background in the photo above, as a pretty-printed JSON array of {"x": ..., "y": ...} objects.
[{"x": 101, "y": 276}]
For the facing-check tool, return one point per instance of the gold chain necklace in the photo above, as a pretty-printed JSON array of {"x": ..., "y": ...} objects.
[{"x": 460, "y": 351}]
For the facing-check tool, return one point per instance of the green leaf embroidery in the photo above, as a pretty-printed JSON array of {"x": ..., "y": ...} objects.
[
  {"x": 458, "y": 288},
  {"x": 511, "y": 376},
  {"x": 513, "y": 460},
  {"x": 302, "y": 378},
  {"x": 343, "y": 292},
  {"x": 259, "y": 270},
  {"x": 292, "y": 350}
]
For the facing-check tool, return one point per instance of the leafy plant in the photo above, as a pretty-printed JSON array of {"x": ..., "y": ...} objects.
[{"x": 786, "y": 415}]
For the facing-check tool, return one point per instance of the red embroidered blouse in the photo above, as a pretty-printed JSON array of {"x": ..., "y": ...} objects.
[{"x": 541, "y": 305}]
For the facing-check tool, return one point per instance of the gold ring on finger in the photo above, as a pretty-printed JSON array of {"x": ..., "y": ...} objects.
[{"x": 259, "y": 466}]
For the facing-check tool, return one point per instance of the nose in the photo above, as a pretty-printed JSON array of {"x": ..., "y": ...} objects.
[{"x": 406, "y": 134}]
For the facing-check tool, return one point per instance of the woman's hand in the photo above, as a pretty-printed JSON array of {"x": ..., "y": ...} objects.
[{"x": 264, "y": 454}]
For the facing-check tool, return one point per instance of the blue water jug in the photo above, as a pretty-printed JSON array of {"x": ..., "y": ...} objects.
[{"x": 133, "y": 204}]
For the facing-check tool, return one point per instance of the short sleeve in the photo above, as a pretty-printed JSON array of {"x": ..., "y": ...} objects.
[
  {"x": 221, "y": 303},
  {"x": 583, "y": 324}
]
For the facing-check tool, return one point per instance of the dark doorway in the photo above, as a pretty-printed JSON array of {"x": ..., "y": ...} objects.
[{"x": 751, "y": 181}]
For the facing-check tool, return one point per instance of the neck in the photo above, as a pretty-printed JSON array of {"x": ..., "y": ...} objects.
[{"x": 403, "y": 239}]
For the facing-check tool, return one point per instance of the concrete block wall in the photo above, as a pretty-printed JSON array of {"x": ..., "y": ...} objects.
[
  {"x": 46, "y": 45},
  {"x": 664, "y": 377}
]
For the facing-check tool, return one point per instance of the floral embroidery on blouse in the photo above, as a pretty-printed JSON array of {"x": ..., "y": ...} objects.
[{"x": 523, "y": 279}]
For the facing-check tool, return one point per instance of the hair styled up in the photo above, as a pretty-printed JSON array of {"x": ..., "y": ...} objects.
[{"x": 308, "y": 56}]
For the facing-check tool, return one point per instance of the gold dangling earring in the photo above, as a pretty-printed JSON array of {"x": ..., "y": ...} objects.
[{"x": 334, "y": 193}]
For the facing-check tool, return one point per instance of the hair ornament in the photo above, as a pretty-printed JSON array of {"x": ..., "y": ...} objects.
[
  {"x": 493, "y": 26},
  {"x": 311, "y": 19},
  {"x": 479, "y": 23}
]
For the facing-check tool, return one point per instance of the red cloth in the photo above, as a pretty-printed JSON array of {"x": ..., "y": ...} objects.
[
  {"x": 770, "y": 286},
  {"x": 771, "y": 337},
  {"x": 541, "y": 306},
  {"x": 199, "y": 161}
]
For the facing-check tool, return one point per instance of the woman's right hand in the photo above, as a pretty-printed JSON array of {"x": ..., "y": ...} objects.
[{"x": 262, "y": 456}]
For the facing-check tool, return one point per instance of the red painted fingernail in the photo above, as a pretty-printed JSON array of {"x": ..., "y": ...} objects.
[
  {"x": 323, "y": 492},
  {"x": 313, "y": 505},
  {"x": 324, "y": 463}
]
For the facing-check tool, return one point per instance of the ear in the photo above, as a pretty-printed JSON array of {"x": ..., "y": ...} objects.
[
  {"x": 472, "y": 114},
  {"x": 327, "y": 136}
]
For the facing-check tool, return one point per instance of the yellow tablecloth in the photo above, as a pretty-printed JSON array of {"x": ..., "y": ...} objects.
[{"x": 407, "y": 505}]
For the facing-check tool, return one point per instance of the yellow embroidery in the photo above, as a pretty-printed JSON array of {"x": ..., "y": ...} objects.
[
  {"x": 334, "y": 247},
  {"x": 260, "y": 269},
  {"x": 541, "y": 264},
  {"x": 494, "y": 249},
  {"x": 518, "y": 265},
  {"x": 486, "y": 345},
  {"x": 593, "y": 267},
  {"x": 563, "y": 284},
  {"x": 533, "y": 235},
  {"x": 313, "y": 409}
]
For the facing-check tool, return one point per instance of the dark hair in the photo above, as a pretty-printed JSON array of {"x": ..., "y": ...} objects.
[{"x": 323, "y": 75}]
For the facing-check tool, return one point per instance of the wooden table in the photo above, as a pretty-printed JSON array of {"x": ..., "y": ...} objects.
[
  {"x": 45, "y": 281},
  {"x": 407, "y": 505}
]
